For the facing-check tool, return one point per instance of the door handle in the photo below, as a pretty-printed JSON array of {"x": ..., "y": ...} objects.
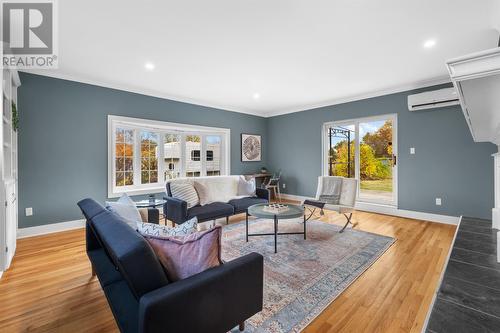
[{"x": 394, "y": 160}]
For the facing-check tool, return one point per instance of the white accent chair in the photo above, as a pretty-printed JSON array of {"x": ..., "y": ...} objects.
[{"x": 347, "y": 199}]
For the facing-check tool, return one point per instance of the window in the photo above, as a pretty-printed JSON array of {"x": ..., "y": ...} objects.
[
  {"x": 149, "y": 157},
  {"x": 143, "y": 154},
  {"x": 124, "y": 157},
  {"x": 172, "y": 155},
  {"x": 210, "y": 155},
  {"x": 195, "y": 155},
  {"x": 213, "y": 144},
  {"x": 365, "y": 149}
]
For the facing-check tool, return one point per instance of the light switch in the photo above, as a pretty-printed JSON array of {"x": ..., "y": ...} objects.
[
  {"x": 29, "y": 211},
  {"x": 412, "y": 151},
  {"x": 438, "y": 201}
]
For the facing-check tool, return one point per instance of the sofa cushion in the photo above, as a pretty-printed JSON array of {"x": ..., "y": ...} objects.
[
  {"x": 128, "y": 250},
  {"x": 220, "y": 188},
  {"x": 183, "y": 257},
  {"x": 185, "y": 191},
  {"x": 211, "y": 211},
  {"x": 246, "y": 187},
  {"x": 126, "y": 209},
  {"x": 241, "y": 205},
  {"x": 203, "y": 193}
]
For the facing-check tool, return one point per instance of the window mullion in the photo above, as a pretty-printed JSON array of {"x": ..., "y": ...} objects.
[
  {"x": 137, "y": 158},
  {"x": 203, "y": 155},
  {"x": 183, "y": 155},
  {"x": 161, "y": 157}
]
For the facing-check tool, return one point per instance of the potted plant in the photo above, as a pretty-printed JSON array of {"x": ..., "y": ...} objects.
[{"x": 15, "y": 117}]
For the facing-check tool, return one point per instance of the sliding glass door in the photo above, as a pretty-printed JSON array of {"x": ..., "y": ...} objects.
[{"x": 365, "y": 149}]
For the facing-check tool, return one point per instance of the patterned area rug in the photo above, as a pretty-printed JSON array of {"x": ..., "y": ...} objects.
[{"x": 305, "y": 276}]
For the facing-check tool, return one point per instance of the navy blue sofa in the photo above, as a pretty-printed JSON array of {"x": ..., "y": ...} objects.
[
  {"x": 140, "y": 295},
  {"x": 176, "y": 210}
]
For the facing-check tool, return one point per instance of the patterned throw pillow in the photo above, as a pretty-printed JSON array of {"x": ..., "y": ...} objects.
[
  {"x": 183, "y": 257},
  {"x": 156, "y": 230},
  {"x": 185, "y": 191}
]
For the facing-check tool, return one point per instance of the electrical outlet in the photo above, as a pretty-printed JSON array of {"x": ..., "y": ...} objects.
[
  {"x": 284, "y": 185},
  {"x": 412, "y": 151},
  {"x": 438, "y": 201},
  {"x": 29, "y": 211}
]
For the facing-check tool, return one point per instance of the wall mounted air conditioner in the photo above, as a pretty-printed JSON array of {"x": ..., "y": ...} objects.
[{"x": 433, "y": 99}]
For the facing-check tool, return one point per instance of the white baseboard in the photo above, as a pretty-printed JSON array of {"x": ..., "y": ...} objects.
[
  {"x": 50, "y": 228},
  {"x": 390, "y": 210}
]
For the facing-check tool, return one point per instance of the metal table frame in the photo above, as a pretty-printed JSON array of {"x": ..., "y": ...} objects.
[{"x": 275, "y": 233}]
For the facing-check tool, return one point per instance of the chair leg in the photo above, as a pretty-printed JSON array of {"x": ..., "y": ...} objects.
[
  {"x": 279, "y": 192},
  {"x": 242, "y": 326},
  {"x": 93, "y": 270},
  {"x": 227, "y": 220},
  {"x": 348, "y": 217}
]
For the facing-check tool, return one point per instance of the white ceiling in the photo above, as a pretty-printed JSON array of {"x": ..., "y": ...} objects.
[{"x": 296, "y": 54}]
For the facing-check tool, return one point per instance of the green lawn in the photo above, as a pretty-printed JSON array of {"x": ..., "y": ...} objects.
[{"x": 384, "y": 185}]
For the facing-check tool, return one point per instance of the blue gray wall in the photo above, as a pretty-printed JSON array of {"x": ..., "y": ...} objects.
[
  {"x": 447, "y": 163},
  {"x": 63, "y": 147},
  {"x": 63, "y": 141}
]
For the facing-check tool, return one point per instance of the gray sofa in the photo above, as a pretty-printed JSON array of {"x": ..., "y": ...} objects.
[{"x": 224, "y": 191}]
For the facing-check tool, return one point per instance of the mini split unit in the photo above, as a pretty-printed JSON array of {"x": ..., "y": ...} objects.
[{"x": 433, "y": 99}]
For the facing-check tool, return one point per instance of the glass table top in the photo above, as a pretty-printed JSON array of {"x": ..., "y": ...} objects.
[{"x": 149, "y": 203}]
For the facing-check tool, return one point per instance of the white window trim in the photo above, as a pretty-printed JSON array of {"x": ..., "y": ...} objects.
[
  {"x": 356, "y": 122},
  {"x": 161, "y": 127}
]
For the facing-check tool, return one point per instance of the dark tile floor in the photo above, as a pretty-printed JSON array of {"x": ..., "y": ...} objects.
[{"x": 468, "y": 299}]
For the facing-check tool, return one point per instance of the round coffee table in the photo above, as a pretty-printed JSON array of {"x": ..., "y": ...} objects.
[
  {"x": 293, "y": 211},
  {"x": 150, "y": 203}
]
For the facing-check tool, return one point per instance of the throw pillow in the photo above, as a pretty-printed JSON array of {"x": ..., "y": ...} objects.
[
  {"x": 203, "y": 193},
  {"x": 126, "y": 209},
  {"x": 190, "y": 255},
  {"x": 246, "y": 187},
  {"x": 156, "y": 230},
  {"x": 185, "y": 191}
]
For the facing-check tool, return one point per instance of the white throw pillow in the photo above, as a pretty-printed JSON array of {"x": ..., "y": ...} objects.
[
  {"x": 185, "y": 191},
  {"x": 156, "y": 230},
  {"x": 203, "y": 193},
  {"x": 246, "y": 187},
  {"x": 126, "y": 209}
]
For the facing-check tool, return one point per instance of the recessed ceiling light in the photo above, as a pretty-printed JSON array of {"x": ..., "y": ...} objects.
[
  {"x": 149, "y": 66},
  {"x": 429, "y": 43},
  {"x": 256, "y": 96}
]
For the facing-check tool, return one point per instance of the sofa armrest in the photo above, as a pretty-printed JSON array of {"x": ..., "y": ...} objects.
[
  {"x": 215, "y": 300},
  {"x": 150, "y": 215},
  {"x": 263, "y": 193},
  {"x": 175, "y": 210}
]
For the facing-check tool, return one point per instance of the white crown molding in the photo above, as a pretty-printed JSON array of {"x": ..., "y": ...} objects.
[
  {"x": 377, "y": 93},
  {"x": 50, "y": 228},
  {"x": 390, "y": 210},
  {"x": 305, "y": 107}
]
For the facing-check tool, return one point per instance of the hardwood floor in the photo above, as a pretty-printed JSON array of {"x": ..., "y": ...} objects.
[{"x": 49, "y": 287}]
